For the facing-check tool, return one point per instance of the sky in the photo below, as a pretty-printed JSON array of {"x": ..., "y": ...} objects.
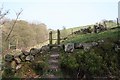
[{"x": 58, "y": 13}]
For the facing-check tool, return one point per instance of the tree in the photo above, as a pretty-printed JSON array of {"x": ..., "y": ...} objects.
[
  {"x": 2, "y": 15},
  {"x": 12, "y": 27}
]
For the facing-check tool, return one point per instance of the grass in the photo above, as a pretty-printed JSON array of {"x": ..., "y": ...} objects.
[
  {"x": 70, "y": 30},
  {"x": 110, "y": 34}
]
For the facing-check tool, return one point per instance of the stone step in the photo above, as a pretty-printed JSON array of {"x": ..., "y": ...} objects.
[
  {"x": 51, "y": 76},
  {"x": 54, "y": 55},
  {"x": 53, "y": 67},
  {"x": 54, "y": 58},
  {"x": 53, "y": 61}
]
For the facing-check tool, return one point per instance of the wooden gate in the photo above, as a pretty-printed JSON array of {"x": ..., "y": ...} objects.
[{"x": 51, "y": 39}]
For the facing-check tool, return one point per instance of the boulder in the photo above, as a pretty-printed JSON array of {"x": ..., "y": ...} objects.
[
  {"x": 18, "y": 66},
  {"x": 29, "y": 58},
  {"x": 87, "y": 49},
  {"x": 25, "y": 52},
  {"x": 16, "y": 55},
  {"x": 45, "y": 48},
  {"x": 117, "y": 48},
  {"x": 87, "y": 46},
  {"x": 94, "y": 44},
  {"x": 34, "y": 51},
  {"x": 69, "y": 47},
  {"x": 78, "y": 45},
  {"x": 22, "y": 57},
  {"x": 18, "y": 60},
  {"x": 9, "y": 58},
  {"x": 13, "y": 64},
  {"x": 101, "y": 41}
]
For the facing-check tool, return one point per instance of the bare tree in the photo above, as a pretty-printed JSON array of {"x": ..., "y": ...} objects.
[
  {"x": 12, "y": 27},
  {"x": 2, "y": 15}
]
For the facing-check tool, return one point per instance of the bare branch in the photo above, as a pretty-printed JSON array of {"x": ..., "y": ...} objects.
[
  {"x": 1, "y": 9},
  {"x": 4, "y": 14},
  {"x": 13, "y": 25}
]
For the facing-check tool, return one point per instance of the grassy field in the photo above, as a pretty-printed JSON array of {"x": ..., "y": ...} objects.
[
  {"x": 110, "y": 34},
  {"x": 68, "y": 31}
]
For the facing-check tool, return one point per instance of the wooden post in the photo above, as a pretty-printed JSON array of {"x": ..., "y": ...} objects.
[
  {"x": 118, "y": 27},
  {"x": 50, "y": 37},
  {"x": 95, "y": 29},
  {"x": 117, "y": 22},
  {"x": 58, "y": 36}
]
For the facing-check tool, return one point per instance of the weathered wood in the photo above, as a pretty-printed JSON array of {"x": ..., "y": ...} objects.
[
  {"x": 95, "y": 29},
  {"x": 58, "y": 36},
  {"x": 117, "y": 22},
  {"x": 50, "y": 37}
]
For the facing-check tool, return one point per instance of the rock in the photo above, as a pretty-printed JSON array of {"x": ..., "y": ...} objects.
[
  {"x": 9, "y": 57},
  {"x": 18, "y": 60},
  {"x": 94, "y": 44},
  {"x": 86, "y": 49},
  {"x": 101, "y": 41},
  {"x": 18, "y": 66},
  {"x": 117, "y": 48},
  {"x": 13, "y": 64},
  {"x": 29, "y": 58},
  {"x": 22, "y": 57},
  {"x": 87, "y": 46},
  {"x": 25, "y": 52},
  {"x": 78, "y": 45},
  {"x": 34, "y": 51},
  {"x": 61, "y": 46},
  {"x": 45, "y": 48},
  {"x": 16, "y": 55},
  {"x": 69, "y": 47}
]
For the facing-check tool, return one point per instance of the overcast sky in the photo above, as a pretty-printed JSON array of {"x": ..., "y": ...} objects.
[{"x": 58, "y": 13}]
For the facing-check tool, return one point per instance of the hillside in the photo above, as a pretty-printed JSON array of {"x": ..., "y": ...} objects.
[
  {"x": 109, "y": 34},
  {"x": 90, "y": 55},
  {"x": 98, "y": 61},
  {"x": 109, "y": 24}
]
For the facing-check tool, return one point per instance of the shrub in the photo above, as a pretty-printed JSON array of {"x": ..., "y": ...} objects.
[
  {"x": 69, "y": 65},
  {"x": 38, "y": 67}
]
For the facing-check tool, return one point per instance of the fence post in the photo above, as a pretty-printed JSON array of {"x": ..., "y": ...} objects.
[
  {"x": 50, "y": 37},
  {"x": 58, "y": 36},
  {"x": 95, "y": 29},
  {"x": 117, "y": 22},
  {"x": 118, "y": 27}
]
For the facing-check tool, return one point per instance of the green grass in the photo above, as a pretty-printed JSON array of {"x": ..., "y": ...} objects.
[
  {"x": 110, "y": 34},
  {"x": 70, "y": 30}
]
